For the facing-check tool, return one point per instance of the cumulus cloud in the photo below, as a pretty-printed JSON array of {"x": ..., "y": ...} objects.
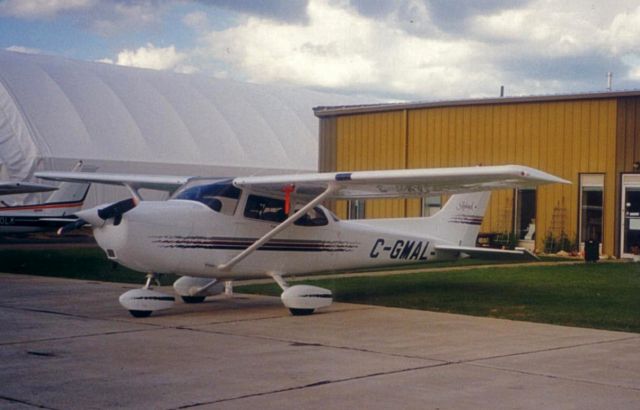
[
  {"x": 41, "y": 8},
  {"x": 150, "y": 56},
  {"x": 197, "y": 20},
  {"x": 107, "y": 18},
  {"x": 543, "y": 33},
  {"x": 277, "y": 10},
  {"x": 110, "y": 18},
  {"x": 399, "y": 49},
  {"x": 573, "y": 42},
  {"x": 623, "y": 35},
  {"x": 341, "y": 48},
  {"x": 24, "y": 50}
]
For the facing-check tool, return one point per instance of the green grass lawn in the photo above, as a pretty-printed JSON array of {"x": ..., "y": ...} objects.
[
  {"x": 77, "y": 263},
  {"x": 602, "y": 295}
]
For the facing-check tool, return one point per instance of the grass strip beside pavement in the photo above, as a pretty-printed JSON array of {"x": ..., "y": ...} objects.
[
  {"x": 601, "y": 295},
  {"x": 75, "y": 263}
]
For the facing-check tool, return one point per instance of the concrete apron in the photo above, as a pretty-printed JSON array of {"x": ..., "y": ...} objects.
[{"x": 67, "y": 344}]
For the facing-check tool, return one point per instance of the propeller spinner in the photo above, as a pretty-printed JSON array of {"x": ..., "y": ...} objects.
[{"x": 96, "y": 217}]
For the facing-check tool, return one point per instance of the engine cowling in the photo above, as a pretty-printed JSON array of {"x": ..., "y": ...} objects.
[{"x": 306, "y": 297}]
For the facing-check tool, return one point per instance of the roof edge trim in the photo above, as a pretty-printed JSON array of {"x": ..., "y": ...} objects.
[{"x": 328, "y": 111}]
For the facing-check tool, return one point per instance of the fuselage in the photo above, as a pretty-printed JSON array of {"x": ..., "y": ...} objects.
[
  {"x": 187, "y": 237},
  {"x": 36, "y": 217}
]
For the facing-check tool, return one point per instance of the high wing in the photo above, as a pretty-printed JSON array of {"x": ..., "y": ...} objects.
[
  {"x": 14, "y": 187},
  {"x": 343, "y": 185},
  {"x": 133, "y": 182},
  {"x": 399, "y": 183}
]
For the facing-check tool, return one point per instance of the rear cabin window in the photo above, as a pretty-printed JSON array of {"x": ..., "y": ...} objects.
[
  {"x": 221, "y": 197},
  {"x": 313, "y": 217}
]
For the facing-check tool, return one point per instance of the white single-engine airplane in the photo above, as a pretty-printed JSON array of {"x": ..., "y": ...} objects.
[
  {"x": 56, "y": 211},
  {"x": 254, "y": 227}
]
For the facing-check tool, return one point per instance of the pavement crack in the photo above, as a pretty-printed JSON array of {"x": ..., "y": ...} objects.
[
  {"x": 55, "y": 339},
  {"x": 478, "y": 363},
  {"x": 311, "y": 385},
  {"x": 301, "y": 343},
  {"x": 554, "y": 376},
  {"x": 50, "y": 312},
  {"x": 25, "y": 402},
  {"x": 550, "y": 349}
]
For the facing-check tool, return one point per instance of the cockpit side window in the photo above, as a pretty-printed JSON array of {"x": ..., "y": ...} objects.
[
  {"x": 221, "y": 197},
  {"x": 313, "y": 217},
  {"x": 272, "y": 210},
  {"x": 265, "y": 209}
]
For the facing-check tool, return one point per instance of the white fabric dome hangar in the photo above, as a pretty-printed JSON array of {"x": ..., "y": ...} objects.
[{"x": 55, "y": 111}]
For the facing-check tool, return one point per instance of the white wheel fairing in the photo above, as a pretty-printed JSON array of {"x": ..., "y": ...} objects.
[
  {"x": 146, "y": 300},
  {"x": 306, "y": 297}
]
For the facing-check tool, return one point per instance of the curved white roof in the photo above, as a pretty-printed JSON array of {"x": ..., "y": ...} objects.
[{"x": 54, "y": 111}]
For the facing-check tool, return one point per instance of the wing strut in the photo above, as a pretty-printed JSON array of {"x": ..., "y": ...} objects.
[{"x": 286, "y": 223}]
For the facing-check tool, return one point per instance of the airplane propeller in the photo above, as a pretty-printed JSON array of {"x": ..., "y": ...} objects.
[
  {"x": 97, "y": 216},
  {"x": 71, "y": 227},
  {"x": 116, "y": 210}
]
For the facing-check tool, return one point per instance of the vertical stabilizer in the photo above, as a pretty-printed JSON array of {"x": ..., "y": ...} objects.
[
  {"x": 458, "y": 222},
  {"x": 72, "y": 193}
]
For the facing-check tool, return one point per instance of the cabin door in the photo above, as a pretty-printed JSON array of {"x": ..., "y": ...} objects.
[{"x": 630, "y": 216}]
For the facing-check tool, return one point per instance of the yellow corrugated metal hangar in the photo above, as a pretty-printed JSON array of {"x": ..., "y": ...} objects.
[{"x": 589, "y": 139}]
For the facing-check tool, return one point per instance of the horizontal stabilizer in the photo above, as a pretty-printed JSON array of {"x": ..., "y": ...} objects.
[
  {"x": 490, "y": 253},
  {"x": 13, "y": 188}
]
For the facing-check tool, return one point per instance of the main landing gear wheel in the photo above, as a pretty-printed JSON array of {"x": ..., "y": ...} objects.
[
  {"x": 193, "y": 299},
  {"x": 301, "y": 312},
  {"x": 302, "y": 300},
  {"x": 140, "y": 313}
]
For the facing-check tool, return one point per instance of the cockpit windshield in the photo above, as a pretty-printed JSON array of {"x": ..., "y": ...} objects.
[{"x": 220, "y": 196}]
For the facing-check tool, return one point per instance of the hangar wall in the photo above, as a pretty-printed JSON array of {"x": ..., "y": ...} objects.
[{"x": 568, "y": 138}]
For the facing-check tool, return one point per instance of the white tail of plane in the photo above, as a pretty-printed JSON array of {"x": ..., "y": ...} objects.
[
  {"x": 457, "y": 223},
  {"x": 66, "y": 200},
  {"x": 71, "y": 193}
]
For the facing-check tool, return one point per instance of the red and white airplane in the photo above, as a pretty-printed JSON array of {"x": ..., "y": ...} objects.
[
  {"x": 56, "y": 211},
  {"x": 273, "y": 226}
]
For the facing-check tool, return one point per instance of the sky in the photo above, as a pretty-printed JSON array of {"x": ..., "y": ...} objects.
[{"x": 408, "y": 50}]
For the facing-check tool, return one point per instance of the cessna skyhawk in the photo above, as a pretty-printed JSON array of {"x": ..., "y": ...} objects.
[{"x": 273, "y": 226}]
